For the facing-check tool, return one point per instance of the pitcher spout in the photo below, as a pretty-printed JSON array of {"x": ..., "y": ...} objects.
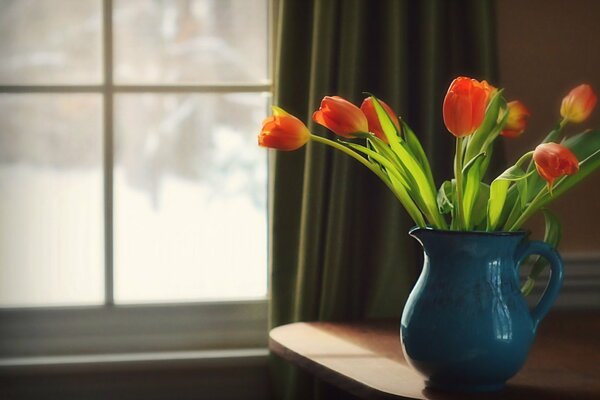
[{"x": 421, "y": 234}]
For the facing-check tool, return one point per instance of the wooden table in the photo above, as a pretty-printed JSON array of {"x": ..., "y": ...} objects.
[{"x": 366, "y": 360}]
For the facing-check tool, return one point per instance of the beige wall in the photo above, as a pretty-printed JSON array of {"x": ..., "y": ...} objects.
[{"x": 546, "y": 47}]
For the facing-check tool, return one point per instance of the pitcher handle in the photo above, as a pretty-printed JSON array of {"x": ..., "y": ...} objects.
[{"x": 556, "y": 277}]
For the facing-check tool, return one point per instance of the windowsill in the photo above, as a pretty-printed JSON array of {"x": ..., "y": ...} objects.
[
  {"x": 206, "y": 374},
  {"x": 203, "y": 358},
  {"x": 145, "y": 329},
  {"x": 188, "y": 351}
]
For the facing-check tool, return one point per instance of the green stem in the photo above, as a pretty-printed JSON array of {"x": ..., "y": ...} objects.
[
  {"x": 393, "y": 170},
  {"x": 516, "y": 209},
  {"x": 351, "y": 153},
  {"x": 539, "y": 201},
  {"x": 524, "y": 157},
  {"x": 390, "y": 167},
  {"x": 458, "y": 158},
  {"x": 562, "y": 124},
  {"x": 530, "y": 209},
  {"x": 418, "y": 218},
  {"x": 512, "y": 216}
]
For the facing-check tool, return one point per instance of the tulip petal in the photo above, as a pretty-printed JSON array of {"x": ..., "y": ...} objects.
[
  {"x": 341, "y": 117},
  {"x": 373, "y": 121}
]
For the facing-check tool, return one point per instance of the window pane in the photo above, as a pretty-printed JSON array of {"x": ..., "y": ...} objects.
[
  {"x": 50, "y": 41},
  {"x": 193, "y": 41},
  {"x": 51, "y": 212},
  {"x": 190, "y": 187}
]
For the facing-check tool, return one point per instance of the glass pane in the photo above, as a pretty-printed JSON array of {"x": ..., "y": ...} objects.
[
  {"x": 51, "y": 212},
  {"x": 190, "y": 207},
  {"x": 190, "y": 41},
  {"x": 50, "y": 42}
]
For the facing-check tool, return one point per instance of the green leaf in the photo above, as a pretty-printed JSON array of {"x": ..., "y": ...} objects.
[
  {"x": 402, "y": 176},
  {"x": 478, "y": 139},
  {"x": 498, "y": 193},
  {"x": 401, "y": 195},
  {"x": 388, "y": 126},
  {"x": 424, "y": 190},
  {"x": 472, "y": 174},
  {"x": 391, "y": 169},
  {"x": 552, "y": 236},
  {"x": 403, "y": 184},
  {"x": 399, "y": 185},
  {"x": 479, "y": 210},
  {"x": 416, "y": 149},
  {"x": 486, "y": 163},
  {"x": 583, "y": 144},
  {"x": 445, "y": 197},
  {"x": 522, "y": 191},
  {"x": 382, "y": 148},
  {"x": 498, "y": 190}
]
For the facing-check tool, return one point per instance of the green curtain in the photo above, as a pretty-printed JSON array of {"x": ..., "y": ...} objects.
[{"x": 339, "y": 248}]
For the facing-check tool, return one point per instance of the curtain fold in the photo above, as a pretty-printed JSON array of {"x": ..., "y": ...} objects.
[{"x": 339, "y": 248}]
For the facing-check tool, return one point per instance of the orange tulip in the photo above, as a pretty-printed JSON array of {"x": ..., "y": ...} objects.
[
  {"x": 465, "y": 104},
  {"x": 554, "y": 160},
  {"x": 578, "y": 104},
  {"x": 516, "y": 121},
  {"x": 489, "y": 89},
  {"x": 368, "y": 109},
  {"x": 341, "y": 117},
  {"x": 283, "y": 131}
]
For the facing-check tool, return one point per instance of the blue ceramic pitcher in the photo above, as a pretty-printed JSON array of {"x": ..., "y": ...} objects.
[{"x": 466, "y": 326}]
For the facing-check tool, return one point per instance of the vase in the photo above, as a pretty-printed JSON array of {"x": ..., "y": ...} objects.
[{"x": 466, "y": 326}]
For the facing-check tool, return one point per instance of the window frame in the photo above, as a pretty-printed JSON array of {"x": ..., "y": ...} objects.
[
  {"x": 110, "y": 328},
  {"x": 123, "y": 329}
]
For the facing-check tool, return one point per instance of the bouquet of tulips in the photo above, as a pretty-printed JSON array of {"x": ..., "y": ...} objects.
[{"x": 476, "y": 113}]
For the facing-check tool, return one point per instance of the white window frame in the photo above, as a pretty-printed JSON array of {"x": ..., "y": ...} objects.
[{"x": 27, "y": 333}]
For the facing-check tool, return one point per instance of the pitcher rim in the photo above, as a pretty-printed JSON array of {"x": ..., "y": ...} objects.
[{"x": 520, "y": 232}]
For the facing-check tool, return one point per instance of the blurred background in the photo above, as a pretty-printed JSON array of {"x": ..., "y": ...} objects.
[{"x": 545, "y": 48}]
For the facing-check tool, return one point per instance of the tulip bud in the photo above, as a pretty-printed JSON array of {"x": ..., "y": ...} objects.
[
  {"x": 516, "y": 120},
  {"x": 554, "y": 160},
  {"x": 464, "y": 105},
  {"x": 578, "y": 104},
  {"x": 283, "y": 131},
  {"x": 368, "y": 108},
  {"x": 341, "y": 117}
]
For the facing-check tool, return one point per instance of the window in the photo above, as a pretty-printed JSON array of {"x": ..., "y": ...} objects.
[{"x": 132, "y": 189}]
